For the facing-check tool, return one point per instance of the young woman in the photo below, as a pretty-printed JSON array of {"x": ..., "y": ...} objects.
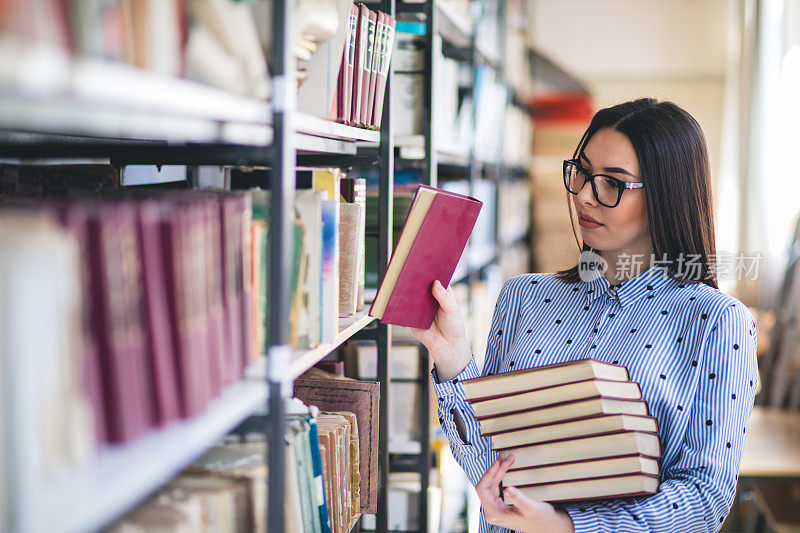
[{"x": 691, "y": 348}]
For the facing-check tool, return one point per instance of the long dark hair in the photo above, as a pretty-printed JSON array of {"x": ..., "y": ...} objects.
[{"x": 673, "y": 159}]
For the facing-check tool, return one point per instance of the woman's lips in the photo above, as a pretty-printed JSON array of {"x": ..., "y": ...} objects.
[{"x": 588, "y": 224}]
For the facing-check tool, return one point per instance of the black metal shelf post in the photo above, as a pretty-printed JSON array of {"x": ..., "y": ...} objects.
[{"x": 281, "y": 242}]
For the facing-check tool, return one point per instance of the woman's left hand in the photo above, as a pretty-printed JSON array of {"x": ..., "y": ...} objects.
[{"x": 517, "y": 512}]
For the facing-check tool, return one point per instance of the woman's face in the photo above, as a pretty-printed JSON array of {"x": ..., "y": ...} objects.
[{"x": 623, "y": 229}]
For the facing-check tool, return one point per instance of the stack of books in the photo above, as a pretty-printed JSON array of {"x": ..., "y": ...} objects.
[{"x": 578, "y": 430}]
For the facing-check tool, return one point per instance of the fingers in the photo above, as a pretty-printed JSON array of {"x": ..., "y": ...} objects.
[
  {"x": 494, "y": 474},
  {"x": 513, "y": 496}
]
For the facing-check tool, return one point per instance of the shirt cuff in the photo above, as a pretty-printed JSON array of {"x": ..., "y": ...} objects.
[
  {"x": 583, "y": 520},
  {"x": 450, "y": 390}
]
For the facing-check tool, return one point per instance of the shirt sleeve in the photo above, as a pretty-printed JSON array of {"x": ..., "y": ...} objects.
[
  {"x": 697, "y": 491},
  {"x": 473, "y": 453}
]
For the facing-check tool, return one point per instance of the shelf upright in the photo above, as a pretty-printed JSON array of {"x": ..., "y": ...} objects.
[{"x": 281, "y": 244}]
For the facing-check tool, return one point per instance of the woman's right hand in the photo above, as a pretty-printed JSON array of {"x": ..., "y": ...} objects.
[{"x": 446, "y": 339}]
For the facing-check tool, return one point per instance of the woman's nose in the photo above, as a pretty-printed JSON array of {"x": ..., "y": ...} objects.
[{"x": 586, "y": 195}]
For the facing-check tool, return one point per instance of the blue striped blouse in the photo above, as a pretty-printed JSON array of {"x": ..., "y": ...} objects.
[{"x": 691, "y": 348}]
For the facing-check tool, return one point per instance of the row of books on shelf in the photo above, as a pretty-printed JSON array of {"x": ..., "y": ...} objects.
[
  {"x": 331, "y": 472},
  {"x": 343, "y": 49},
  {"x": 170, "y": 299},
  {"x": 578, "y": 430}
]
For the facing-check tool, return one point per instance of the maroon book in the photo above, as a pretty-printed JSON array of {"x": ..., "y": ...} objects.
[
  {"x": 383, "y": 70},
  {"x": 359, "y": 67},
  {"x": 431, "y": 242},
  {"x": 159, "y": 341},
  {"x": 181, "y": 231},
  {"x": 348, "y": 62},
  {"x": 375, "y": 20},
  {"x": 117, "y": 297}
]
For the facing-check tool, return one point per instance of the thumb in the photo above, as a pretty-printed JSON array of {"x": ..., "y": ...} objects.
[
  {"x": 513, "y": 496},
  {"x": 444, "y": 297}
]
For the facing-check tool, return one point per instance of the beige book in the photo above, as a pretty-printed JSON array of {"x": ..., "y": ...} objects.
[
  {"x": 543, "y": 376},
  {"x": 630, "y": 464},
  {"x": 558, "y": 413},
  {"x": 611, "y": 487},
  {"x": 349, "y": 225},
  {"x": 575, "y": 428},
  {"x": 621, "y": 443},
  {"x": 625, "y": 390}
]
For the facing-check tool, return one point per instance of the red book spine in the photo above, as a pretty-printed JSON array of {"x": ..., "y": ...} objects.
[
  {"x": 368, "y": 78},
  {"x": 383, "y": 70},
  {"x": 186, "y": 313},
  {"x": 117, "y": 297},
  {"x": 163, "y": 376},
  {"x": 349, "y": 61},
  {"x": 362, "y": 34}
]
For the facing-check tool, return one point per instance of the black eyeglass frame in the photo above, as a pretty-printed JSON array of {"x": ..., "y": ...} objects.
[{"x": 618, "y": 183}]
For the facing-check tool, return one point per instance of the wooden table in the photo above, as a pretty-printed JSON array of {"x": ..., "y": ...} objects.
[
  {"x": 772, "y": 446},
  {"x": 771, "y": 452}
]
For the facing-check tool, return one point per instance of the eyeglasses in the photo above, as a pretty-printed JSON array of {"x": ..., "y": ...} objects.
[{"x": 608, "y": 190}]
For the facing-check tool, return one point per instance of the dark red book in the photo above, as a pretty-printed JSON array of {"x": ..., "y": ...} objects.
[
  {"x": 117, "y": 298},
  {"x": 159, "y": 341},
  {"x": 383, "y": 69},
  {"x": 181, "y": 233},
  {"x": 376, "y": 21},
  {"x": 431, "y": 242},
  {"x": 359, "y": 64},
  {"x": 350, "y": 51}
]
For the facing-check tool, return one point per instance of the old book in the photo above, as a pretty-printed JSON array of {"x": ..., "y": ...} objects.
[
  {"x": 573, "y": 470},
  {"x": 156, "y": 306},
  {"x": 588, "y": 447},
  {"x": 359, "y": 64},
  {"x": 562, "y": 412},
  {"x": 541, "y": 376},
  {"x": 361, "y": 398},
  {"x": 597, "y": 488},
  {"x": 513, "y": 403},
  {"x": 349, "y": 257},
  {"x": 354, "y": 190},
  {"x": 368, "y": 79},
  {"x": 431, "y": 242},
  {"x": 338, "y": 429},
  {"x": 117, "y": 297},
  {"x": 383, "y": 70},
  {"x": 594, "y": 425},
  {"x": 319, "y": 485}
]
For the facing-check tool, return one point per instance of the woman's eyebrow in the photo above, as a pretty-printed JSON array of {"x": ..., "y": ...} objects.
[{"x": 611, "y": 169}]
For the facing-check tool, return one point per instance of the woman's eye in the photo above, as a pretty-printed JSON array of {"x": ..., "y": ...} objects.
[{"x": 614, "y": 183}]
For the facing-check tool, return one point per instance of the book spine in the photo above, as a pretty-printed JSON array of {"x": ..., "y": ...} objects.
[{"x": 319, "y": 485}]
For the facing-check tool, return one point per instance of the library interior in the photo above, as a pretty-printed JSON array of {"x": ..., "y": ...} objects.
[{"x": 331, "y": 266}]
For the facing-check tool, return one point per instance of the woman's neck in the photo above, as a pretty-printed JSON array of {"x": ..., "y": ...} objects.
[{"x": 624, "y": 265}]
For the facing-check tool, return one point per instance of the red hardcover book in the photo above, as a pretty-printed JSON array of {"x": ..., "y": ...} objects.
[
  {"x": 383, "y": 70},
  {"x": 117, "y": 297},
  {"x": 350, "y": 51},
  {"x": 359, "y": 62},
  {"x": 159, "y": 341},
  {"x": 181, "y": 231},
  {"x": 431, "y": 242},
  {"x": 377, "y": 46},
  {"x": 367, "y": 78}
]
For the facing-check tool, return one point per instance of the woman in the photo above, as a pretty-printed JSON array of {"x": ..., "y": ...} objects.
[{"x": 691, "y": 348}]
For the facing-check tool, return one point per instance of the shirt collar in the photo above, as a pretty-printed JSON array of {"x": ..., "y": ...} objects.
[{"x": 646, "y": 282}]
